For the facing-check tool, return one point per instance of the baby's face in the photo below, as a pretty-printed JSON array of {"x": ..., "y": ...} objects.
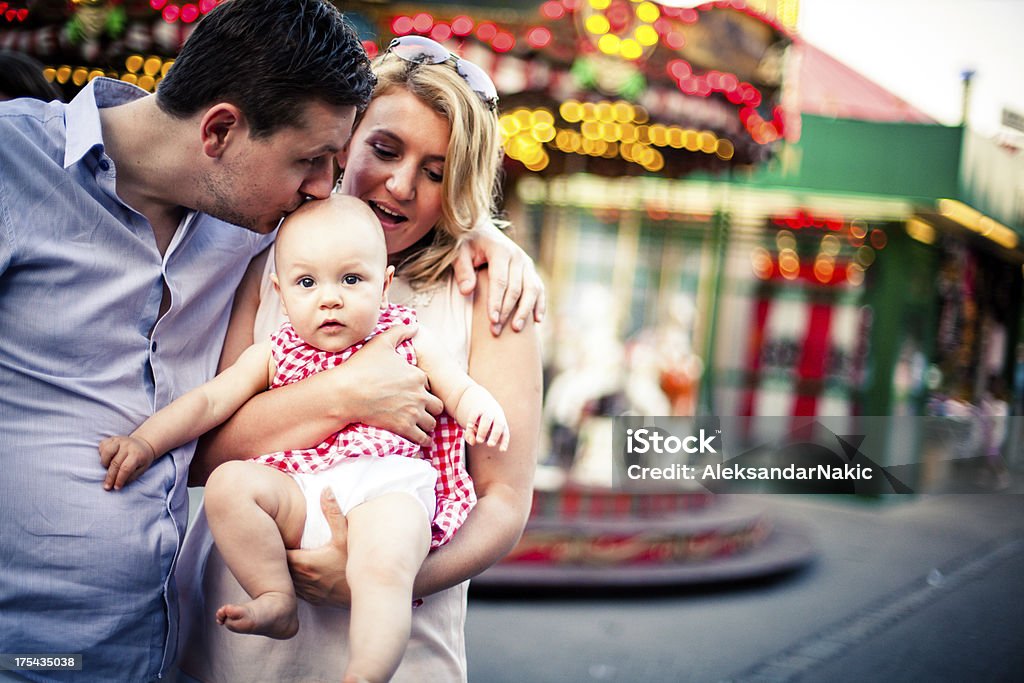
[{"x": 331, "y": 277}]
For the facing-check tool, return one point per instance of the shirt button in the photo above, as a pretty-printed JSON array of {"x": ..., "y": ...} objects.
[
  {"x": 152, "y": 347},
  {"x": 104, "y": 165}
]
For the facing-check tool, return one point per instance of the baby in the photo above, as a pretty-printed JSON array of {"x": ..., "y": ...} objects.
[{"x": 332, "y": 276}]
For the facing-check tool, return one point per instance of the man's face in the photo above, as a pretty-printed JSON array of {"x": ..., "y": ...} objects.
[{"x": 258, "y": 181}]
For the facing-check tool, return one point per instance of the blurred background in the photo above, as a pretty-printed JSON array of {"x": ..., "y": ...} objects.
[{"x": 732, "y": 220}]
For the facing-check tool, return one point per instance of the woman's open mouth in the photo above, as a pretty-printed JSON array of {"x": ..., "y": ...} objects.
[{"x": 386, "y": 216}]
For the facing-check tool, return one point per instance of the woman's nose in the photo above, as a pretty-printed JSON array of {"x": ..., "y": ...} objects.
[{"x": 402, "y": 183}]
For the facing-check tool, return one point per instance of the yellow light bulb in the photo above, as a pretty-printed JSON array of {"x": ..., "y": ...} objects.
[
  {"x": 597, "y": 24},
  {"x": 648, "y": 12},
  {"x": 609, "y": 44},
  {"x": 152, "y": 66},
  {"x": 646, "y": 35},
  {"x": 543, "y": 117},
  {"x": 630, "y": 49},
  {"x": 570, "y": 111}
]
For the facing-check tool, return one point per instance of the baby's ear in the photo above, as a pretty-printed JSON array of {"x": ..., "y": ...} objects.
[
  {"x": 389, "y": 274},
  {"x": 277, "y": 290}
]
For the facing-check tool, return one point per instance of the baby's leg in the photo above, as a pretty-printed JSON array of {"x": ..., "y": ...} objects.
[
  {"x": 388, "y": 537},
  {"x": 255, "y": 512}
]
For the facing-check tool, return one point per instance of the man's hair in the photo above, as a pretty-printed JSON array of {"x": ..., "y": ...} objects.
[{"x": 269, "y": 58}]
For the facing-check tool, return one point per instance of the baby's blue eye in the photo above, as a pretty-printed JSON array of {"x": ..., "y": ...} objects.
[
  {"x": 351, "y": 279},
  {"x": 306, "y": 282}
]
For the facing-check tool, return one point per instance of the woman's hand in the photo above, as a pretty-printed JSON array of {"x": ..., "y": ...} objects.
[
  {"x": 515, "y": 287},
  {"x": 319, "y": 573},
  {"x": 387, "y": 392}
]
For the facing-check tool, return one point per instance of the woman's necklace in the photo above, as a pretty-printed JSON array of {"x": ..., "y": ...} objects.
[{"x": 420, "y": 298}]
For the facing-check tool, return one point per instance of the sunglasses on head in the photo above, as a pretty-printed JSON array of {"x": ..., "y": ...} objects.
[{"x": 420, "y": 50}]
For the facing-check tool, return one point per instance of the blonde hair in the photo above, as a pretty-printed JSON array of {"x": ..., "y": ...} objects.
[{"x": 469, "y": 190}]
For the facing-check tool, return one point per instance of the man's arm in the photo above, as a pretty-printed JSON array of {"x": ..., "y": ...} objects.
[{"x": 514, "y": 286}]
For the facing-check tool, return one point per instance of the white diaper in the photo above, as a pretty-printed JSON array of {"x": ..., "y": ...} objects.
[{"x": 357, "y": 480}]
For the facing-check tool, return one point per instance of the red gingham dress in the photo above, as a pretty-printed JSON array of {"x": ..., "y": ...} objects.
[{"x": 296, "y": 360}]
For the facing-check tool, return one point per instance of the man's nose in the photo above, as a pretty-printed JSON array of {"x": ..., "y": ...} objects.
[{"x": 320, "y": 181}]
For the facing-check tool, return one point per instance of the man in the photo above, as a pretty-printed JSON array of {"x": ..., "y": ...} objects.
[
  {"x": 118, "y": 262},
  {"x": 126, "y": 222}
]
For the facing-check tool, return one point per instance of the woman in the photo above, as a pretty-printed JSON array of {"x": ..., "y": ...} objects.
[{"x": 424, "y": 156}]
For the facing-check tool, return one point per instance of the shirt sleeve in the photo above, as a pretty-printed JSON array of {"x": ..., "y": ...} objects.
[{"x": 6, "y": 229}]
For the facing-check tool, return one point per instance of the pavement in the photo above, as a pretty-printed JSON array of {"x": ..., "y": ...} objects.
[{"x": 902, "y": 588}]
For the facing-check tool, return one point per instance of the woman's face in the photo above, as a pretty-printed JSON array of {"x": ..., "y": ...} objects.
[{"x": 395, "y": 162}]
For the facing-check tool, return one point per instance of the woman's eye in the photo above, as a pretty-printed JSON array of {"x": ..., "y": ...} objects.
[
  {"x": 384, "y": 152},
  {"x": 435, "y": 176},
  {"x": 306, "y": 282}
]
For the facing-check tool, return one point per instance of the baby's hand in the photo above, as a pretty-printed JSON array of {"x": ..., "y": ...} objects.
[
  {"x": 485, "y": 423},
  {"x": 125, "y": 457}
]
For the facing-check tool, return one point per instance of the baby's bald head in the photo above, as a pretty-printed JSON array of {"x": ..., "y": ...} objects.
[{"x": 338, "y": 222}]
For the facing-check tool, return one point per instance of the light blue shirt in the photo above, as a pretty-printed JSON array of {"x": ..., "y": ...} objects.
[{"x": 83, "y": 570}]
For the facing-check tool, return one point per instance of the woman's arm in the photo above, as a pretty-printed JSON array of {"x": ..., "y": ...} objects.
[
  {"x": 375, "y": 386},
  {"x": 509, "y": 367}
]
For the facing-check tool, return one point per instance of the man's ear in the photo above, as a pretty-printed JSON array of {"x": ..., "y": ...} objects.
[
  {"x": 388, "y": 276},
  {"x": 222, "y": 123},
  {"x": 342, "y": 157}
]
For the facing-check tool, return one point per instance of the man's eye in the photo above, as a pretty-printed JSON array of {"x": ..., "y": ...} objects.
[{"x": 306, "y": 282}]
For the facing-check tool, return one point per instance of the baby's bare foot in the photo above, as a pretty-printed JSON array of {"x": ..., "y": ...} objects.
[{"x": 272, "y": 614}]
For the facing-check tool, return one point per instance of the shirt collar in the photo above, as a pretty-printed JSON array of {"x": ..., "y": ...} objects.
[{"x": 82, "y": 116}]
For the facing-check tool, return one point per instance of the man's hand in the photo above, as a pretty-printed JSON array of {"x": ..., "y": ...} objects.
[
  {"x": 126, "y": 458},
  {"x": 319, "y": 573},
  {"x": 515, "y": 286},
  {"x": 389, "y": 393}
]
